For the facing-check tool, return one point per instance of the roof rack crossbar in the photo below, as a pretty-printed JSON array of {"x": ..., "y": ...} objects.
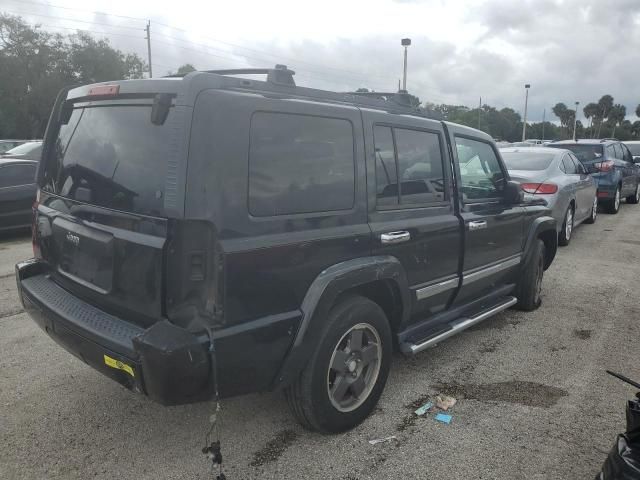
[
  {"x": 401, "y": 97},
  {"x": 280, "y": 74}
]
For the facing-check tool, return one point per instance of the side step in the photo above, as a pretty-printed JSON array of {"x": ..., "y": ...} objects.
[{"x": 457, "y": 326}]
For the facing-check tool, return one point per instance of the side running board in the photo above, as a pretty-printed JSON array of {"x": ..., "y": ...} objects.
[{"x": 457, "y": 326}]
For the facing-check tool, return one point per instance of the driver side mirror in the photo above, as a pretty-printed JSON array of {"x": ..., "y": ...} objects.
[
  {"x": 636, "y": 159},
  {"x": 513, "y": 193}
]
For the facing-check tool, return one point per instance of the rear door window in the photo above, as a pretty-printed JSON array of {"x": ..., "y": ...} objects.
[
  {"x": 569, "y": 166},
  {"x": 579, "y": 167},
  {"x": 111, "y": 156},
  {"x": 300, "y": 164},
  {"x": 386, "y": 173},
  {"x": 14, "y": 175}
]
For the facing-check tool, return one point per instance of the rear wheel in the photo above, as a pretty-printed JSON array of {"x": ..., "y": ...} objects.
[
  {"x": 530, "y": 283},
  {"x": 594, "y": 211},
  {"x": 564, "y": 237},
  {"x": 635, "y": 198},
  {"x": 613, "y": 205},
  {"x": 347, "y": 371}
]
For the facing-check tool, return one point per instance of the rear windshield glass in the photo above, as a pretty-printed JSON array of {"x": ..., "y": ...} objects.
[
  {"x": 585, "y": 153},
  {"x": 527, "y": 161},
  {"x": 635, "y": 148},
  {"x": 111, "y": 156}
]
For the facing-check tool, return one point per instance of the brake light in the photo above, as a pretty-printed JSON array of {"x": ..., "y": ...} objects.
[
  {"x": 540, "y": 188},
  {"x": 104, "y": 90},
  {"x": 604, "y": 166},
  {"x": 34, "y": 228}
]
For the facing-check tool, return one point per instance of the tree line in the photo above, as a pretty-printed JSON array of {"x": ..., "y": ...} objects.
[{"x": 35, "y": 65}]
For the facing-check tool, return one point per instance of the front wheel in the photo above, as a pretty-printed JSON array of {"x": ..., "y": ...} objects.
[
  {"x": 594, "y": 211},
  {"x": 564, "y": 237},
  {"x": 348, "y": 369},
  {"x": 613, "y": 206},
  {"x": 635, "y": 198},
  {"x": 530, "y": 284}
]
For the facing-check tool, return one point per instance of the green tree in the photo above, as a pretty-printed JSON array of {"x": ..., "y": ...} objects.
[
  {"x": 35, "y": 65},
  {"x": 590, "y": 111},
  {"x": 638, "y": 111},
  {"x": 605, "y": 104},
  {"x": 616, "y": 116}
]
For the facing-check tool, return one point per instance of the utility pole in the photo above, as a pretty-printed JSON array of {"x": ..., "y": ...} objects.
[
  {"x": 526, "y": 102},
  {"x": 575, "y": 121},
  {"x": 479, "y": 110},
  {"x": 544, "y": 114},
  {"x": 405, "y": 42},
  {"x": 148, "y": 37}
]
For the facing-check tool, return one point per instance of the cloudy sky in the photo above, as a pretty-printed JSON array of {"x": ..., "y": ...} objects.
[{"x": 568, "y": 50}]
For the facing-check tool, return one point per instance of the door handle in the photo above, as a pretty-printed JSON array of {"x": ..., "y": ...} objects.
[
  {"x": 477, "y": 225},
  {"x": 392, "y": 238}
]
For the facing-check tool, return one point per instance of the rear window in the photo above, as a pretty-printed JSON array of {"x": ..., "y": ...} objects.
[
  {"x": 635, "y": 148},
  {"x": 32, "y": 149},
  {"x": 585, "y": 153},
  {"x": 527, "y": 161},
  {"x": 300, "y": 164},
  {"x": 111, "y": 156}
]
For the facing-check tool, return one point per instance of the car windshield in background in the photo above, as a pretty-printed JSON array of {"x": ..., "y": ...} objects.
[
  {"x": 585, "y": 153},
  {"x": 527, "y": 160},
  {"x": 31, "y": 149},
  {"x": 111, "y": 156},
  {"x": 634, "y": 148}
]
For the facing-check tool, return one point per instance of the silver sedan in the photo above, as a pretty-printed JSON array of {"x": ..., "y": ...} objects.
[{"x": 558, "y": 179}]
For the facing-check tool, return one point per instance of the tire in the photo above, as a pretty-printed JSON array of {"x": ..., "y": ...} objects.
[
  {"x": 594, "y": 211},
  {"x": 564, "y": 237},
  {"x": 635, "y": 198},
  {"x": 530, "y": 284},
  {"x": 313, "y": 398},
  {"x": 613, "y": 205}
]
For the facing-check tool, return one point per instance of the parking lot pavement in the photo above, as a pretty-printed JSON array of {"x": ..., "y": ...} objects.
[{"x": 534, "y": 400}]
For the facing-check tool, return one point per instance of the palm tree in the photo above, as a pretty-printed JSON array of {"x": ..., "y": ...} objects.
[
  {"x": 616, "y": 116},
  {"x": 590, "y": 111},
  {"x": 638, "y": 111},
  {"x": 605, "y": 104}
]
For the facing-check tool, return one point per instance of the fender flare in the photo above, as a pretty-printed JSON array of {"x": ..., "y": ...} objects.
[
  {"x": 321, "y": 296},
  {"x": 540, "y": 226}
]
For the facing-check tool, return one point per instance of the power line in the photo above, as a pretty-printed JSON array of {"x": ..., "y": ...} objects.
[
  {"x": 91, "y": 31},
  {"x": 71, "y": 19},
  {"x": 47, "y": 4}
]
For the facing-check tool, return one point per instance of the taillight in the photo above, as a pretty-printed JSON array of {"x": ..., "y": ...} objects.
[
  {"x": 604, "y": 166},
  {"x": 540, "y": 188},
  {"x": 34, "y": 227}
]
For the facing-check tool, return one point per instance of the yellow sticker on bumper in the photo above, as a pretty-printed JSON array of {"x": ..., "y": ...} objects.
[{"x": 117, "y": 364}]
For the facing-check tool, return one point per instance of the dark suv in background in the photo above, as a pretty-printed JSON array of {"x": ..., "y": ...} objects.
[
  {"x": 280, "y": 236},
  {"x": 612, "y": 166}
]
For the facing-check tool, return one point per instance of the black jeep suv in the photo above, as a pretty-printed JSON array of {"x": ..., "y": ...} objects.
[{"x": 215, "y": 231}]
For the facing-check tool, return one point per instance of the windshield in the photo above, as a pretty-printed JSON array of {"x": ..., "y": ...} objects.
[
  {"x": 585, "y": 153},
  {"x": 111, "y": 156},
  {"x": 634, "y": 148},
  {"x": 527, "y": 161},
  {"x": 31, "y": 149}
]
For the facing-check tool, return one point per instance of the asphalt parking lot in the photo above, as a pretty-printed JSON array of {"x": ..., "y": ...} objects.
[{"x": 534, "y": 399}]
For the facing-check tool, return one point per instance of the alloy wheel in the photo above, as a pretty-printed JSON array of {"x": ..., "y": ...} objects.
[
  {"x": 594, "y": 209},
  {"x": 616, "y": 201},
  {"x": 354, "y": 367},
  {"x": 568, "y": 224},
  {"x": 638, "y": 193}
]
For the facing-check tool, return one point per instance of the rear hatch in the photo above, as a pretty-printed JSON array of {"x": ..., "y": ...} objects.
[
  {"x": 101, "y": 223},
  {"x": 588, "y": 154}
]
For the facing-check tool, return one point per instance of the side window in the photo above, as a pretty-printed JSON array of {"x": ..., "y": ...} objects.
[
  {"x": 13, "y": 175},
  {"x": 569, "y": 166},
  {"x": 611, "y": 152},
  {"x": 420, "y": 170},
  {"x": 480, "y": 172},
  {"x": 626, "y": 154},
  {"x": 300, "y": 164},
  {"x": 579, "y": 167},
  {"x": 387, "y": 192}
]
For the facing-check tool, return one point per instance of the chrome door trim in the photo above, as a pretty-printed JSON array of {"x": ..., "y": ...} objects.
[
  {"x": 436, "y": 288},
  {"x": 484, "y": 272}
]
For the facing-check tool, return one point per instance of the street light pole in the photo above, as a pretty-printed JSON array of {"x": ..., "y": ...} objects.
[
  {"x": 526, "y": 104},
  {"x": 405, "y": 42},
  {"x": 575, "y": 121}
]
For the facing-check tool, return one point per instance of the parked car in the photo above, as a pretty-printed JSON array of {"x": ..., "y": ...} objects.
[
  {"x": 26, "y": 151},
  {"x": 277, "y": 236},
  {"x": 611, "y": 164},
  {"x": 9, "y": 144},
  {"x": 17, "y": 193},
  {"x": 634, "y": 148},
  {"x": 559, "y": 179}
]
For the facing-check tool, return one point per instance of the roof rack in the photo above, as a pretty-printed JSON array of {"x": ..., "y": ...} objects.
[
  {"x": 602, "y": 140},
  {"x": 401, "y": 97},
  {"x": 279, "y": 75}
]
